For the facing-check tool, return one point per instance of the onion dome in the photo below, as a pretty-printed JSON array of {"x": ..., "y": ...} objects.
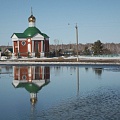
[
  {"x": 33, "y": 101},
  {"x": 31, "y": 19}
]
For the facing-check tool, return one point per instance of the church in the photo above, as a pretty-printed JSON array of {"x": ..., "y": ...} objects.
[{"x": 32, "y": 42}]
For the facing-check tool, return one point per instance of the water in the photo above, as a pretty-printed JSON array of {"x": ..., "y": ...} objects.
[{"x": 59, "y": 93}]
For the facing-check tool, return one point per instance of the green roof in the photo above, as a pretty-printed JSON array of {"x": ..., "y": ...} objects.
[
  {"x": 30, "y": 32},
  {"x": 31, "y": 87},
  {"x": 20, "y": 35},
  {"x": 46, "y": 36}
]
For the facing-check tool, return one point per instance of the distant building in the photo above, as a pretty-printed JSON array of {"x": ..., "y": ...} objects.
[
  {"x": 8, "y": 52},
  {"x": 69, "y": 52},
  {"x": 32, "y": 42},
  {"x": 3, "y": 48}
]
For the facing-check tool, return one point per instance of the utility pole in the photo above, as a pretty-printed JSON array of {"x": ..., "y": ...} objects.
[
  {"x": 78, "y": 81},
  {"x": 76, "y": 27}
]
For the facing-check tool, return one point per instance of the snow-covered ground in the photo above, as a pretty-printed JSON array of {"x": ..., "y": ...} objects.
[
  {"x": 71, "y": 57},
  {"x": 94, "y": 57},
  {"x": 22, "y": 62}
]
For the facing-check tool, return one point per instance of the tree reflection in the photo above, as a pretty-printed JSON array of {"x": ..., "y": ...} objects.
[
  {"x": 8, "y": 68},
  {"x": 86, "y": 69},
  {"x": 98, "y": 71}
]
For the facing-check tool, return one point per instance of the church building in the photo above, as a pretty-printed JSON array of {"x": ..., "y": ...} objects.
[{"x": 32, "y": 42}]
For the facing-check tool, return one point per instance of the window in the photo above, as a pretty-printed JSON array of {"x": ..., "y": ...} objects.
[
  {"x": 23, "y": 43},
  {"x": 28, "y": 40},
  {"x": 24, "y": 77}
]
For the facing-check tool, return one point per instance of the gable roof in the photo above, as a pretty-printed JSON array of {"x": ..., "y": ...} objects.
[
  {"x": 46, "y": 36},
  {"x": 11, "y": 50},
  {"x": 8, "y": 50},
  {"x": 29, "y": 33},
  {"x": 20, "y": 35}
]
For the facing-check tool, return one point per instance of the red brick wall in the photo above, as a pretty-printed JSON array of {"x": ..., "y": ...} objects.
[
  {"x": 46, "y": 47},
  {"x": 16, "y": 74},
  {"x": 47, "y": 73},
  {"x": 21, "y": 73},
  {"x": 23, "y": 48},
  {"x": 40, "y": 46},
  {"x": 41, "y": 72},
  {"x": 15, "y": 47}
]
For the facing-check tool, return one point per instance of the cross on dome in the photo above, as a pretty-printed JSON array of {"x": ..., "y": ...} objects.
[{"x": 31, "y": 18}]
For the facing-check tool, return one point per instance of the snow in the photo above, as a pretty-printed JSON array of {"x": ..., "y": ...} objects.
[{"x": 22, "y": 62}]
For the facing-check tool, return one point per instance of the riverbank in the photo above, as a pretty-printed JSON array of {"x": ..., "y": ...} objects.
[{"x": 63, "y": 61}]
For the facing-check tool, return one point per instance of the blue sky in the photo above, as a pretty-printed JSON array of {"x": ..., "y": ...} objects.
[{"x": 96, "y": 19}]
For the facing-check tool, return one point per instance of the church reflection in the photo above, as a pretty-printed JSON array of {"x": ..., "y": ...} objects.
[{"x": 32, "y": 78}]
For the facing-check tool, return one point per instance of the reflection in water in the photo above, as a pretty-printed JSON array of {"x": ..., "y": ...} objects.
[
  {"x": 86, "y": 69},
  {"x": 98, "y": 71},
  {"x": 8, "y": 68},
  {"x": 97, "y": 99},
  {"x": 32, "y": 78},
  {"x": 78, "y": 81}
]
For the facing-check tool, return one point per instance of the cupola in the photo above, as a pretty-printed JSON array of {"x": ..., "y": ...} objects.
[{"x": 31, "y": 20}]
